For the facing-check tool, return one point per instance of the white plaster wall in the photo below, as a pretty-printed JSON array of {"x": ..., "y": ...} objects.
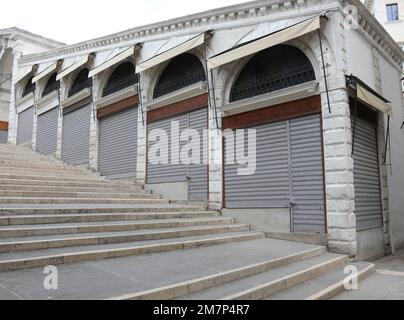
[
  {"x": 391, "y": 90},
  {"x": 359, "y": 57}
]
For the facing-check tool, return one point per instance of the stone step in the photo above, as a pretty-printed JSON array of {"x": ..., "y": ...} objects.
[
  {"x": 54, "y": 172},
  {"x": 100, "y": 217},
  {"x": 100, "y": 238},
  {"x": 325, "y": 286},
  {"x": 38, "y": 164},
  {"x": 104, "y": 226},
  {"x": 92, "y": 195},
  {"x": 73, "y": 178},
  {"x": 104, "y": 190},
  {"x": 12, "y": 210},
  {"x": 267, "y": 283},
  {"x": 40, "y": 258},
  {"x": 61, "y": 183},
  {"x": 228, "y": 275},
  {"x": 136, "y": 273},
  {"x": 27, "y": 200}
]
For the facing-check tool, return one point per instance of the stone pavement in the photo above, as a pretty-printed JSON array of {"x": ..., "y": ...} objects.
[{"x": 386, "y": 284}]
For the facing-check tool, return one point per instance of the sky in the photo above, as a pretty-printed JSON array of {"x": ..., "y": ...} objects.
[{"x": 73, "y": 21}]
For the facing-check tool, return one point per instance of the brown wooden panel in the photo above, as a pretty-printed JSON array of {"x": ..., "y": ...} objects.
[
  {"x": 278, "y": 112},
  {"x": 119, "y": 106},
  {"x": 3, "y": 126},
  {"x": 183, "y": 106}
]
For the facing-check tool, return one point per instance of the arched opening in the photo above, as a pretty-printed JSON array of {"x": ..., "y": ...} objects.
[
  {"x": 182, "y": 71},
  {"x": 81, "y": 82},
  {"x": 272, "y": 69},
  {"x": 29, "y": 87},
  {"x": 51, "y": 85},
  {"x": 124, "y": 76}
]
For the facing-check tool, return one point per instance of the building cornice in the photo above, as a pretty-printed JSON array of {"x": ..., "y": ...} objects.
[
  {"x": 236, "y": 15},
  {"x": 26, "y": 35}
]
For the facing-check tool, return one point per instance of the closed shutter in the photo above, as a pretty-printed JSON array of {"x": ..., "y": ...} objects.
[
  {"x": 25, "y": 126},
  {"x": 307, "y": 174},
  {"x": 3, "y": 137},
  {"x": 47, "y": 130},
  {"x": 76, "y": 136},
  {"x": 163, "y": 173},
  {"x": 269, "y": 185},
  {"x": 368, "y": 206},
  {"x": 289, "y": 173},
  {"x": 198, "y": 173},
  {"x": 118, "y": 144}
]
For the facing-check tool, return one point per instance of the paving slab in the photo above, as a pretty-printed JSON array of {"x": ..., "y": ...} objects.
[
  {"x": 115, "y": 277},
  {"x": 386, "y": 284}
]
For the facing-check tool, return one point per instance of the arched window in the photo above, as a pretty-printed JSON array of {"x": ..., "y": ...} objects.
[
  {"x": 181, "y": 72},
  {"x": 51, "y": 85},
  {"x": 124, "y": 76},
  {"x": 29, "y": 87},
  {"x": 273, "y": 69},
  {"x": 81, "y": 82}
]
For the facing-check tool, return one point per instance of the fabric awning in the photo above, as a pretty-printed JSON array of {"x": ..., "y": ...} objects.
[
  {"x": 171, "y": 53},
  {"x": 80, "y": 62},
  {"x": 373, "y": 100},
  {"x": 25, "y": 72},
  {"x": 46, "y": 71},
  {"x": 256, "y": 45},
  {"x": 122, "y": 55}
]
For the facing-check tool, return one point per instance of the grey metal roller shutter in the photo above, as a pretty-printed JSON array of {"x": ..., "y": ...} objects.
[
  {"x": 307, "y": 174},
  {"x": 198, "y": 173},
  {"x": 25, "y": 126},
  {"x": 289, "y": 173},
  {"x": 118, "y": 144},
  {"x": 162, "y": 173},
  {"x": 76, "y": 136},
  {"x": 368, "y": 206},
  {"x": 3, "y": 137},
  {"x": 47, "y": 131},
  {"x": 269, "y": 185}
]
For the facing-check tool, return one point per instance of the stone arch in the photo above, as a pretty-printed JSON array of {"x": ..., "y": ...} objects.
[
  {"x": 80, "y": 76},
  {"x": 121, "y": 68},
  {"x": 102, "y": 78},
  {"x": 309, "y": 45},
  {"x": 153, "y": 76}
]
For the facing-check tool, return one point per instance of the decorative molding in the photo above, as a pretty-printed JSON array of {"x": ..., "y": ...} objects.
[
  {"x": 85, "y": 93},
  {"x": 23, "y": 100},
  {"x": 260, "y": 10},
  {"x": 270, "y": 99},
  {"x": 231, "y": 16},
  {"x": 116, "y": 97},
  {"x": 50, "y": 98},
  {"x": 191, "y": 91}
]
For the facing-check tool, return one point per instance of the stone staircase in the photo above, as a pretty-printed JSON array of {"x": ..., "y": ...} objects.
[{"x": 54, "y": 214}]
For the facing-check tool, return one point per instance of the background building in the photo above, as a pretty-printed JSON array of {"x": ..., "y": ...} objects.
[
  {"x": 390, "y": 14},
  {"x": 14, "y": 43}
]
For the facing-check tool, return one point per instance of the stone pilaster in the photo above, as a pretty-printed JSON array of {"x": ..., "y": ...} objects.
[{"x": 93, "y": 163}]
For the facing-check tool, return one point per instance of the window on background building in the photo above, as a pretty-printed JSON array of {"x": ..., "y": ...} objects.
[{"x": 392, "y": 12}]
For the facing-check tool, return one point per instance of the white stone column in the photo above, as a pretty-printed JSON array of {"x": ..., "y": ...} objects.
[
  {"x": 13, "y": 116},
  {"x": 93, "y": 163},
  {"x": 142, "y": 131}
]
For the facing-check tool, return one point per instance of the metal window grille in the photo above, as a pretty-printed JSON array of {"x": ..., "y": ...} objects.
[
  {"x": 270, "y": 70},
  {"x": 181, "y": 72}
]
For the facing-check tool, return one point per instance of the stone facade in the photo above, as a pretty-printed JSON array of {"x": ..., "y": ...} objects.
[{"x": 241, "y": 23}]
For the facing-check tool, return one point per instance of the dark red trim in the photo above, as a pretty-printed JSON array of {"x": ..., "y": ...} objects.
[
  {"x": 173, "y": 109},
  {"x": 283, "y": 111},
  {"x": 119, "y": 106},
  {"x": 3, "y": 126}
]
